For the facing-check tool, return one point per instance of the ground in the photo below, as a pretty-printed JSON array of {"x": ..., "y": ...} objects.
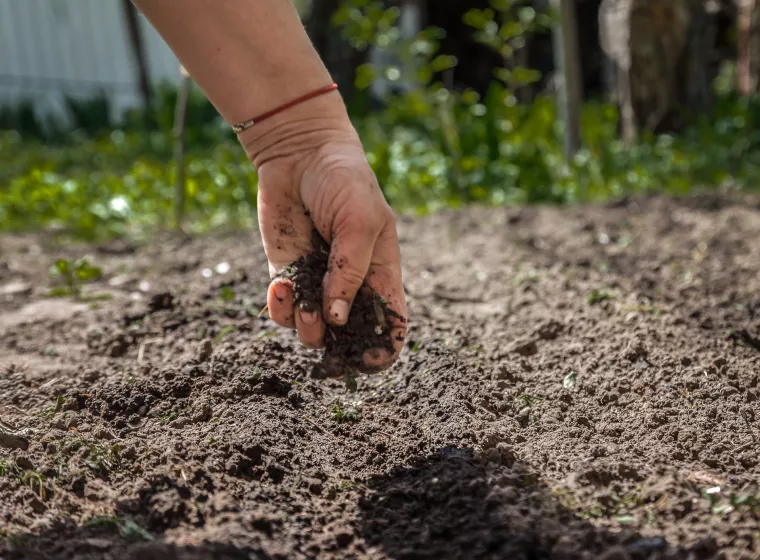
[{"x": 578, "y": 383}]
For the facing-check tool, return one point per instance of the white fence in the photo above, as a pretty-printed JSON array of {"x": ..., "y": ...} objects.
[{"x": 53, "y": 48}]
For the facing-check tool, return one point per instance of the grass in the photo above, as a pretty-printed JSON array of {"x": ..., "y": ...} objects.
[{"x": 31, "y": 478}]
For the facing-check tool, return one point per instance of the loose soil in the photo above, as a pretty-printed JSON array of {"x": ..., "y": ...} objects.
[
  {"x": 578, "y": 383},
  {"x": 368, "y": 328}
]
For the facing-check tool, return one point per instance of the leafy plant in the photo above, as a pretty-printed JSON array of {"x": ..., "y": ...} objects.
[
  {"x": 340, "y": 415},
  {"x": 73, "y": 275}
]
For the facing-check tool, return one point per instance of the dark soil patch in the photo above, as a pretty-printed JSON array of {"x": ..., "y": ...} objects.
[{"x": 578, "y": 383}]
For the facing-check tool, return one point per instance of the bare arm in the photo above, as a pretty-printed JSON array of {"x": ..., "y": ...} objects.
[
  {"x": 252, "y": 56},
  {"x": 248, "y": 56}
]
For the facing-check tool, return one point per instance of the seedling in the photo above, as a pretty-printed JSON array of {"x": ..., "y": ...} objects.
[
  {"x": 229, "y": 329},
  {"x": 103, "y": 459},
  {"x": 598, "y": 296},
  {"x": 526, "y": 399},
  {"x": 30, "y": 478},
  {"x": 255, "y": 375},
  {"x": 73, "y": 275},
  {"x": 227, "y": 294},
  {"x": 339, "y": 415}
]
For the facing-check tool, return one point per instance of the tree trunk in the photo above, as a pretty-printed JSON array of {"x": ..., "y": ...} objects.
[
  {"x": 660, "y": 51},
  {"x": 137, "y": 44},
  {"x": 748, "y": 47}
]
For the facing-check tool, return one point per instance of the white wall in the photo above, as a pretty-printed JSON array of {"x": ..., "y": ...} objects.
[{"x": 49, "y": 48}]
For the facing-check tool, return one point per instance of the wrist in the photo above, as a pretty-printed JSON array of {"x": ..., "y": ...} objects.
[{"x": 298, "y": 130}]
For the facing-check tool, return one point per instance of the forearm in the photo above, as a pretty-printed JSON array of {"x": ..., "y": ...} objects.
[{"x": 248, "y": 56}]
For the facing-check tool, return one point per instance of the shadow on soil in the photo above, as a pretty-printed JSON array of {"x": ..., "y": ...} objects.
[
  {"x": 459, "y": 505},
  {"x": 454, "y": 505}
]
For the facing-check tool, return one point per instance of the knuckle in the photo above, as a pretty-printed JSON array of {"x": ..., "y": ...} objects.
[{"x": 347, "y": 276}]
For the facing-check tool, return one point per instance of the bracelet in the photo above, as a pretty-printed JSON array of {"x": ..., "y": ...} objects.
[{"x": 240, "y": 127}]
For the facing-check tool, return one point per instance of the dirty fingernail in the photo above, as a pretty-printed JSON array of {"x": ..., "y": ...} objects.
[
  {"x": 309, "y": 317},
  {"x": 280, "y": 292},
  {"x": 339, "y": 311}
]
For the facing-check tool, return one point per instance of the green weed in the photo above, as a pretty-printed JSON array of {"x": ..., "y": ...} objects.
[{"x": 340, "y": 415}]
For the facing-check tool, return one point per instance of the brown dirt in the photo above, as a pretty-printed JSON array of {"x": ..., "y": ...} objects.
[{"x": 578, "y": 383}]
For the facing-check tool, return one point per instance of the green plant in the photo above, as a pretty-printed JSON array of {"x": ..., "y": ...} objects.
[
  {"x": 73, "y": 275},
  {"x": 340, "y": 415},
  {"x": 597, "y": 296}
]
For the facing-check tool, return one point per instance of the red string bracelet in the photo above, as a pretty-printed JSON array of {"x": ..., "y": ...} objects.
[{"x": 240, "y": 127}]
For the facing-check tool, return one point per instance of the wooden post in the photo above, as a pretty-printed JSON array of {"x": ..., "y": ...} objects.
[
  {"x": 180, "y": 112},
  {"x": 567, "y": 74},
  {"x": 137, "y": 44}
]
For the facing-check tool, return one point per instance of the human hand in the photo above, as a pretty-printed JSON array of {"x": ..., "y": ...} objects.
[{"x": 313, "y": 173}]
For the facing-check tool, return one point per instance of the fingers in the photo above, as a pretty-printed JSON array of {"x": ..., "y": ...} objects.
[
  {"x": 306, "y": 318},
  {"x": 311, "y": 327},
  {"x": 280, "y": 301},
  {"x": 385, "y": 278},
  {"x": 351, "y": 252}
]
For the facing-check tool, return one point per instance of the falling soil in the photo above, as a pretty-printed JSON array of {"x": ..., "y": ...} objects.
[
  {"x": 367, "y": 329},
  {"x": 577, "y": 383}
]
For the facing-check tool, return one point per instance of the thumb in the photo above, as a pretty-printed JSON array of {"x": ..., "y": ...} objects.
[{"x": 353, "y": 242}]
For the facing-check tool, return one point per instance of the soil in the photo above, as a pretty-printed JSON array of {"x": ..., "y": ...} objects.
[
  {"x": 578, "y": 383},
  {"x": 367, "y": 328}
]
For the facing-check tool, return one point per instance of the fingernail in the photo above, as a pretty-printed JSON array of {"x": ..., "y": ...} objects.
[
  {"x": 280, "y": 292},
  {"x": 339, "y": 311},
  {"x": 309, "y": 317}
]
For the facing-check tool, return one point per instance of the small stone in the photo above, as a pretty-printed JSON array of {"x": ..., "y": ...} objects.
[
  {"x": 37, "y": 505},
  {"x": 205, "y": 349},
  {"x": 118, "y": 348},
  {"x": 705, "y": 548},
  {"x": 525, "y": 348},
  {"x": 24, "y": 463},
  {"x": 164, "y": 300},
  {"x": 15, "y": 289},
  {"x": 201, "y": 411},
  {"x": 92, "y": 375},
  {"x": 344, "y": 538}
]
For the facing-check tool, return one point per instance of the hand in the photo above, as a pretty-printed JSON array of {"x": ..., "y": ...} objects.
[{"x": 313, "y": 173}]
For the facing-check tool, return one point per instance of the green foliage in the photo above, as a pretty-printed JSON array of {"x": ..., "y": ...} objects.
[
  {"x": 431, "y": 146},
  {"x": 122, "y": 183}
]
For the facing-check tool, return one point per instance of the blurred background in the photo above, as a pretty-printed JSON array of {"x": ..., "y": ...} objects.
[{"x": 479, "y": 101}]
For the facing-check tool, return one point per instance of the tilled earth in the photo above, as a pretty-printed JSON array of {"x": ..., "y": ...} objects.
[{"x": 578, "y": 383}]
